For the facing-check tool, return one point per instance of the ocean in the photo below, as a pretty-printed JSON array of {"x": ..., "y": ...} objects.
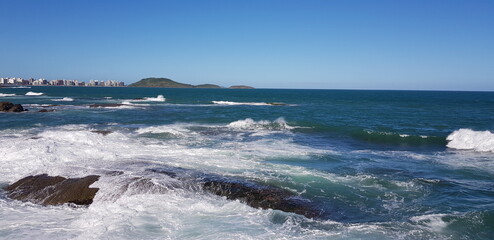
[{"x": 374, "y": 164}]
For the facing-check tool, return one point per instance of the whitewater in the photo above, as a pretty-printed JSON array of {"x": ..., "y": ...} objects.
[{"x": 419, "y": 166}]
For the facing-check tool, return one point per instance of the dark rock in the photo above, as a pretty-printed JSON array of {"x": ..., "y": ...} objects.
[
  {"x": 114, "y": 173},
  {"x": 16, "y": 108},
  {"x": 251, "y": 193},
  {"x": 5, "y": 106},
  {"x": 10, "y": 107},
  {"x": 105, "y": 105},
  {"x": 102, "y": 132},
  {"x": 258, "y": 196},
  {"x": 47, "y": 110},
  {"x": 277, "y": 104},
  {"x": 47, "y": 190}
]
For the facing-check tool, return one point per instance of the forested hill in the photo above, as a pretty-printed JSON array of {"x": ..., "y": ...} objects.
[{"x": 168, "y": 83}]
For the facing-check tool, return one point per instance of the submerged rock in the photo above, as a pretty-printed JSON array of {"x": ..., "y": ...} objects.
[
  {"x": 10, "y": 107},
  {"x": 106, "y": 105},
  {"x": 102, "y": 132},
  {"x": 47, "y": 110},
  {"x": 48, "y": 190},
  {"x": 276, "y": 104}
]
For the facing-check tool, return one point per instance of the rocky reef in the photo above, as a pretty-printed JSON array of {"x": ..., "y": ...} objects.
[
  {"x": 10, "y": 107},
  {"x": 251, "y": 193},
  {"x": 47, "y": 190}
]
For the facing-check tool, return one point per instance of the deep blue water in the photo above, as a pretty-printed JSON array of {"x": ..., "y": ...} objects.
[{"x": 378, "y": 164}]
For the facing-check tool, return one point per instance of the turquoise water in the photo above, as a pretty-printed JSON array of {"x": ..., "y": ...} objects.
[{"x": 377, "y": 164}]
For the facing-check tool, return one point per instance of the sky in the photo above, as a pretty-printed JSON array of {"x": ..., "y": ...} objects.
[{"x": 309, "y": 44}]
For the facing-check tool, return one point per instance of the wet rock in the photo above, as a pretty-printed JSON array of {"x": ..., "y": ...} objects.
[
  {"x": 102, "y": 132},
  {"x": 251, "y": 193},
  {"x": 48, "y": 190},
  {"x": 10, "y": 107},
  {"x": 259, "y": 196},
  {"x": 47, "y": 110}
]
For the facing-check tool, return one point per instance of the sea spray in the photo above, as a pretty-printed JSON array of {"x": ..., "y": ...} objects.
[{"x": 468, "y": 139}]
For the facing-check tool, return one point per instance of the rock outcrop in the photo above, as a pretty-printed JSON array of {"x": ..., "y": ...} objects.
[
  {"x": 259, "y": 196},
  {"x": 251, "y": 193},
  {"x": 48, "y": 190},
  {"x": 10, "y": 107}
]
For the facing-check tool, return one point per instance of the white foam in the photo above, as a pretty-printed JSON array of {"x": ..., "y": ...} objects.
[
  {"x": 468, "y": 139},
  {"x": 19, "y": 87},
  {"x": 130, "y": 104},
  {"x": 159, "y": 98},
  {"x": 163, "y": 129},
  {"x": 7, "y": 95},
  {"x": 435, "y": 222},
  {"x": 250, "y": 124},
  {"x": 65, "y": 99},
  {"x": 247, "y": 103},
  {"x": 34, "y": 93},
  {"x": 74, "y": 150}
]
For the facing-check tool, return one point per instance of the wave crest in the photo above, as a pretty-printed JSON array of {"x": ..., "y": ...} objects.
[
  {"x": 34, "y": 93},
  {"x": 250, "y": 124},
  {"x": 159, "y": 98},
  {"x": 65, "y": 99},
  {"x": 468, "y": 139}
]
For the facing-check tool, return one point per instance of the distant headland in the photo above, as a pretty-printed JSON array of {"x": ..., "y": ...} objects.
[{"x": 168, "y": 83}]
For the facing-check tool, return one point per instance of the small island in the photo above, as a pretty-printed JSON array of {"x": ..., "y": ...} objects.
[
  {"x": 241, "y": 87},
  {"x": 168, "y": 83}
]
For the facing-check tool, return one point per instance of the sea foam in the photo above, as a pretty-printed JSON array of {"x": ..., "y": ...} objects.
[
  {"x": 6, "y": 95},
  {"x": 34, "y": 93},
  {"x": 468, "y": 139},
  {"x": 159, "y": 98},
  {"x": 250, "y": 124},
  {"x": 65, "y": 99}
]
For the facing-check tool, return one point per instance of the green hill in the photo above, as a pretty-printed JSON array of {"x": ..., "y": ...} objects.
[{"x": 168, "y": 83}]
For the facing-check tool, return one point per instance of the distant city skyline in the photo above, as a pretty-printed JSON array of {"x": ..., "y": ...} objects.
[
  {"x": 58, "y": 82},
  {"x": 314, "y": 44}
]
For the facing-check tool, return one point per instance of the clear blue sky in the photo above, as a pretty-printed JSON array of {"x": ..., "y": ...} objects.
[{"x": 332, "y": 44}]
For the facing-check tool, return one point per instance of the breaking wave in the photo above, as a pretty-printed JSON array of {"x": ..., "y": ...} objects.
[
  {"x": 7, "y": 95},
  {"x": 468, "y": 139},
  {"x": 65, "y": 99},
  {"x": 250, "y": 124},
  {"x": 34, "y": 93},
  {"x": 159, "y": 98},
  {"x": 162, "y": 129}
]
